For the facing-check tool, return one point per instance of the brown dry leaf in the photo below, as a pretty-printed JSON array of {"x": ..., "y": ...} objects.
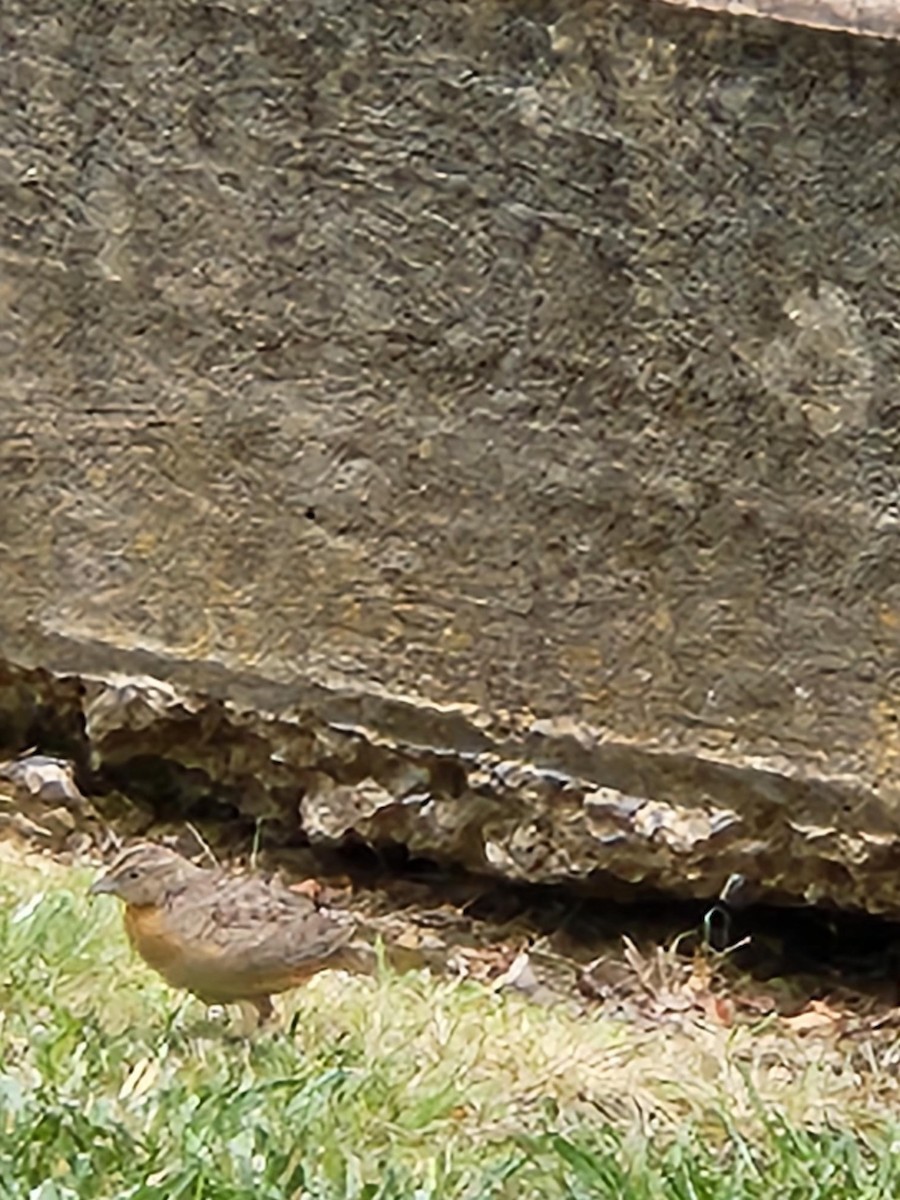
[
  {"x": 308, "y": 887},
  {"x": 336, "y": 893},
  {"x": 719, "y": 1010},
  {"x": 763, "y": 1005},
  {"x": 409, "y": 938},
  {"x": 483, "y": 963},
  {"x": 817, "y": 1017}
]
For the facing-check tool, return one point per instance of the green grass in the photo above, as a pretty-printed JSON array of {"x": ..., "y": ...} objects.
[{"x": 395, "y": 1087}]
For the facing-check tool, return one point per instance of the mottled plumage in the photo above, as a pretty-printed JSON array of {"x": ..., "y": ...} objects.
[{"x": 226, "y": 938}]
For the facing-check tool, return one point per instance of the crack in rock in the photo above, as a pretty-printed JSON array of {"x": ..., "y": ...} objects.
[{"x": 544, "y": 804}]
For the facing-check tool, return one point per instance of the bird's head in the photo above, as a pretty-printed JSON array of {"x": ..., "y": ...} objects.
[{"x": 145, "y": 874}]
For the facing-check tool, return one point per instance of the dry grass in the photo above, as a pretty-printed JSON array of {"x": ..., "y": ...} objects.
[{"x": 395, "y": 1085}]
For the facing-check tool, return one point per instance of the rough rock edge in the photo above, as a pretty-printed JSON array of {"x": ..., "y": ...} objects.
[
  {"x": 865, "y": 18},
  {"x": 524, "y": 800}
]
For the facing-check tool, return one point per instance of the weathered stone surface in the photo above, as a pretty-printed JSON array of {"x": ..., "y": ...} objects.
[
  {"x": 866, "y": 18},
  {"x": 510, "y": 387}
]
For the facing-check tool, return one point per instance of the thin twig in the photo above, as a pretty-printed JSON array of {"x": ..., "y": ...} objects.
[
  {"x": 257, "y": 837},
  {"x": 207, "y": 849}
]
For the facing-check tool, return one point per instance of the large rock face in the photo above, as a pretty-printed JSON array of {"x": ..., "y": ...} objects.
[{"x": 511, "y": 386}]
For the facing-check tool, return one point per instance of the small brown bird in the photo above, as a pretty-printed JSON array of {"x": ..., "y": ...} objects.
[{"x": 225, "y": 938}]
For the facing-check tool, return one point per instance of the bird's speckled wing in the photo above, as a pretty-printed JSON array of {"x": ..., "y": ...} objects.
[{"x": 258, "y": 927}]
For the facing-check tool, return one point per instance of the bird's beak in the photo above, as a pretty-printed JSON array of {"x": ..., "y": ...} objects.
[{"x": 102, "y": 886}]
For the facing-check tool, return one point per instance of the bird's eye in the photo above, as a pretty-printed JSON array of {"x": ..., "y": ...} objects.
[{"x": 134, "y": 873}]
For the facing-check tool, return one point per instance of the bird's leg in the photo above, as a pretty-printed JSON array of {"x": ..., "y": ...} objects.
[
  {"x": 249, "y": 1022},
  {"x": 256, "y": 1013},
  {"x": 265, "y": 1008}
]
